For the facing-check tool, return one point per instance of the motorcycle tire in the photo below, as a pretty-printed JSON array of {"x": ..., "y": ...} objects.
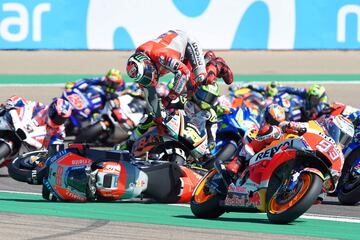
[
  {"x": 206, "y": 205},
  {"x": 282, "y": 211},
  {"x": 89, "y": 134},
  {"x": 350, "y": 196},
  {"x": 349, "y": 192},
  {"x": 21, "y": 169}
]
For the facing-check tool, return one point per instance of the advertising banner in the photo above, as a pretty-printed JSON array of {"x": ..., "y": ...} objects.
[{"x": 217, "y": 24}]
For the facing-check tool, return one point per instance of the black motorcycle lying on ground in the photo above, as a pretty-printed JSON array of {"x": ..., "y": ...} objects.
[{"x": 80, "y": 173}]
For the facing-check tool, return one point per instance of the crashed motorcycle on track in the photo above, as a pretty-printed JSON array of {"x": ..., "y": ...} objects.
[{"x": 79, "y": 173}]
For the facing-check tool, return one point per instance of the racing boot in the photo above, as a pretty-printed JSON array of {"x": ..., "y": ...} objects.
[
  {"x": 229, "y": 173},
  {"x": 209, "y": 55},
  {"x": 218, "y": 68},
  {"x": 224, "y": 71}
]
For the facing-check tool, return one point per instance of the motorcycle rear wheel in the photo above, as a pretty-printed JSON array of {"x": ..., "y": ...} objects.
[
  {"x": 205, "y": 205},
  {"x": 284, "y": 208}
]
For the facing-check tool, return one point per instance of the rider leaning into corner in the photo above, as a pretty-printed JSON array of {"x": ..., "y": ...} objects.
[
  {"x": 52, "y": 117},
  {"x": 272, "y": 128},
  {"x": 176, "y": 52}
]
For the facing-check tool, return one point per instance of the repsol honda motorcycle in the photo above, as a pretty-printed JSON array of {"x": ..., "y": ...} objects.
[{"x": 282, "y": 180}]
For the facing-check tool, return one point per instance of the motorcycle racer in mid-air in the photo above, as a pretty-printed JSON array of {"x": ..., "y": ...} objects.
[{"x": 176, "y": 52}]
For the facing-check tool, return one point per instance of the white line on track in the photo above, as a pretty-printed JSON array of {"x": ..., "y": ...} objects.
[
  {"x": 310, "y": 216},
  {"x": 29, "y": 193},
  {"x": 33, "y": 85},
  {"x": 331, "y": 218},
  {"x": 306, "y": 215}
]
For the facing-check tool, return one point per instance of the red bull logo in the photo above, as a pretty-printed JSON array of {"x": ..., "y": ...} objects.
[{"x": 255, "y": 199}]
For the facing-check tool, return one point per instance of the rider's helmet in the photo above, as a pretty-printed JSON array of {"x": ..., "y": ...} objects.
[
  {"x": 141, "y": 69},
  {"x": 315, "y": 96},
  {"x": 58, "y": 112},
  {"x": 340, "y": 129},
  {"x": 206, "y": 96},
  {"x": 114, "y": 81},
  {"x": 272, "y": 89},
  {"x": 274, "y": 114}
]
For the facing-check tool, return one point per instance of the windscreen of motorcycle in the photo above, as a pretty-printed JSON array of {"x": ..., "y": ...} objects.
[{"x": 341, "y": 130}]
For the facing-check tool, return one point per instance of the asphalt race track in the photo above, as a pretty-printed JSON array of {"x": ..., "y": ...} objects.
[{"x": 27, "y": 216}]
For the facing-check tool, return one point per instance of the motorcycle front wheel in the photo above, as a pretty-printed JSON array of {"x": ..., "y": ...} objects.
[
  {"x": 203, "y": 203},
  {"x": 22, "y": 168},
  {"x": 284, "y": 206},
  {"x": 349, "y": 186}
]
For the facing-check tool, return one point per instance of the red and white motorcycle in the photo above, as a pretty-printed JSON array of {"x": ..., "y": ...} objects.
[{"x": 14, "y": 140}]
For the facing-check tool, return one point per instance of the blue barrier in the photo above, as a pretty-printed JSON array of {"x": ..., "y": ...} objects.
[{"x": 225, "y": 24}]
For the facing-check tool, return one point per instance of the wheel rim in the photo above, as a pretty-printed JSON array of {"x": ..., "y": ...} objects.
[
  {"x": 280, "y": 205},
  {"x": 200, "y": 196}
]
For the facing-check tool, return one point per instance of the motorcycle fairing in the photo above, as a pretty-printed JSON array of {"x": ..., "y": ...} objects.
[
  {"x": 181, "y": 129},
  {"x": 60, "y": 168},
  {"x": 84, "y": 102},
  {"x": 246, "y": 195},
  {"x": 146, "y": 143},
  {"x": 189, "y": 180}
]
